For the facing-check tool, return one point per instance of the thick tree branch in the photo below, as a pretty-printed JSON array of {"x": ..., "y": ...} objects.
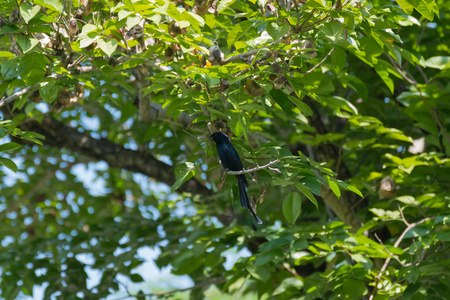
[
  {"x": 340, "y": 207},
  {"x": 59, "y": 135}
]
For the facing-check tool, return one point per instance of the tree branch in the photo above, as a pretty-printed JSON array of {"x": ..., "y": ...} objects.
[
  {"x": 321, "y": 62},
  {"x": 389, "y": 252},
  {"x": 197, "y": 286},
  {"x": 341, "y": 207},
  {"x": 257, "y": 168},
  {"x": 388, "y": 260},
  {"x": 59, "y": 135}
]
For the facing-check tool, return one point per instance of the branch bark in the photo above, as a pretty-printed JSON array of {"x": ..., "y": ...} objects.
[
  {"x": 57, "y": 134},
  {"x": 253, "y": 169}
]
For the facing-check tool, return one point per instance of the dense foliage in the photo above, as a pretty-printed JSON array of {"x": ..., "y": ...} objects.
[{"x": 106, "y": 107}]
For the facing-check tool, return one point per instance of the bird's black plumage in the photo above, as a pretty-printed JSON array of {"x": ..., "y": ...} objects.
[{"x": 230, "y": 160}]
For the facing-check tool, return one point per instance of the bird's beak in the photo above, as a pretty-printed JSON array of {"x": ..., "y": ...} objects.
[{"x": 210, "y": 138}]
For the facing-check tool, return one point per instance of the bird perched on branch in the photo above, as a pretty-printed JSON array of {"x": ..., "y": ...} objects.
[{"x": 230, "y": 161}]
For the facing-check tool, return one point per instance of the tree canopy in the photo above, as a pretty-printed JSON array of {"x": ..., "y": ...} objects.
[{"x": 341, "y": 106}]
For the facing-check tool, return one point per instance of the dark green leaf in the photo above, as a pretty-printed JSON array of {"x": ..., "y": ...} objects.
[{"x": 292, "y": 206}]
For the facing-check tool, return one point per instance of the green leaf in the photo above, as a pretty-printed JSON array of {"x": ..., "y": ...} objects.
[
  {"x": 333, "y": 30},
  {"x": 51, "y": 4},
  {"x": 283, "y": 100},
  {"x": 183, "y": 173},
  {"x": 136, "y": 278},
  {"x": 411, "y": 290},
  {"x": 304, "y": 108},
  {"x": 355, "y": 190},
  {"x": 407, "y": 200},
  {"x": 300, "y": 244},
  {"x": 224, "y": 4},
  {"x": 426, "y": 8},
  {"x": 406, "y": 6},
  {"x": 305, "y": 191},
  {"x": 8, "y": 163},
  {"x": 338, "y": 58},
  {"x": 238, "y": 31},
  {"x": 291, "y": 282},
  {"x": 36, "y": 68},
  {"x": 9, "y": 147},
  {"x": 276, "y": 31},
  {"x": 341, "y": 105},
  {"x": 312, "y": 183},
  {"x": 33, "y": 137},
  {"x": 25, "y": 43},
  {"x": 259, "y": 272},
  {"x": 88, "y": 28},
  {"x": 185, "y": 263},
  {"x": 277, "y": 243},
  {"x": 48, "y": 89},
  {"x": 124, "y": 13},
  {"x": 438, "y": 62},
  {"x": 317, "y": 3},
  {"x": 384, "y": 74},
  {"x": 132, "y": 21},
  {"x": 6, "y": 54},
  {"x": 89, "y": 39},
  {"x": 292, "y": 206},
  {"x": 13, "y": 68},
  {"x": 108, "y": 46},
  {"x": 333, "y": 185},
  {"x": 28, "y": 12}
]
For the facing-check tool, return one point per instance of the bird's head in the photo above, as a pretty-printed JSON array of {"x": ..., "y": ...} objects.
[{"x": 219, "y": 138}]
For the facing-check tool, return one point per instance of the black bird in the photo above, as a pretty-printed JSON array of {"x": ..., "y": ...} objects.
[{"x": 230, "y": 160}]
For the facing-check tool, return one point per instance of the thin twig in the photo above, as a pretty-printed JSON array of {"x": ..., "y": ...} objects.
[
  {"x": 403, "y": 216},
  {"x": 77, "y": 61},
  {"x": 274, "y": 170},
  {"x": 253, "y": 169},
  {"x": 399, "y": 69},
  {"x": 424, "y": 76},
  {"x": 310, "y": 26},
  {"x": 290, "y": 270},
  {"x": 391, "y": 254},
  {"x": 308, "y": 18},
  {"x": 321, "y": 62}
]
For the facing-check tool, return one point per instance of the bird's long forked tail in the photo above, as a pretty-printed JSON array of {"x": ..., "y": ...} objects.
[{"x": 245, "y": 201}]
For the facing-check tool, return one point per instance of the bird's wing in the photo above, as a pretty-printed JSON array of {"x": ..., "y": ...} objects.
[{"x": 230, "y": 158}]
